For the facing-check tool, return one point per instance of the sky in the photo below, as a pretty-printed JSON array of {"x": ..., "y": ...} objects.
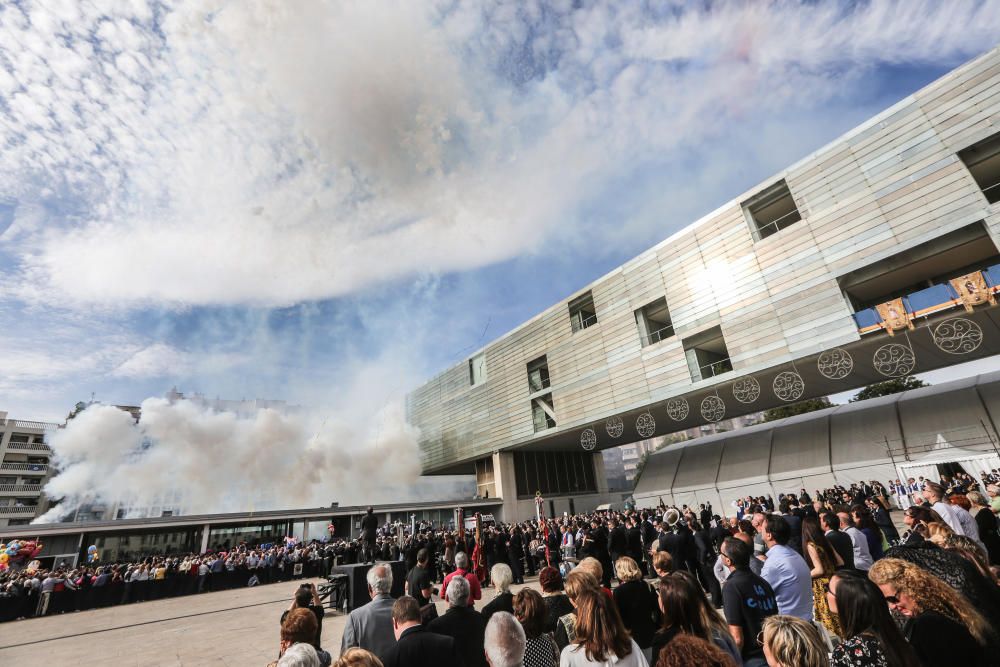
[{"x": 330, "y": 202}]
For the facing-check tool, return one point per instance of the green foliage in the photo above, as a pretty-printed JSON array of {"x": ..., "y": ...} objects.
[
  {"x": 893, "y": 386},
  {"x": 800, "y": 408}
]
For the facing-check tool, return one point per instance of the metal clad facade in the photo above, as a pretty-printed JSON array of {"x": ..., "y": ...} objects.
[{"x": 888, "y": 185}]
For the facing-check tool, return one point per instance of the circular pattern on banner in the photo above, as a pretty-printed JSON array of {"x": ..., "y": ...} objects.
[
  {"x": 615, "y": 427},
  {"x": 713, "y": 409},
  {"x": 645, "y": 425},
  {"x": 678, "y": 409},
  {"x": 835, "y": 364},
  {"x": 588, "y": 439},
  {"x": 746, "y": 390},
  {"x": 958, "y": 336},
  {"x": 788, "y": 386},
  {"x": 894, "y": 360}
]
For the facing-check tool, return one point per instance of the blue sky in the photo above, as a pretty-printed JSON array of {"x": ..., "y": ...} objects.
[{"x": 330, "y": 202}]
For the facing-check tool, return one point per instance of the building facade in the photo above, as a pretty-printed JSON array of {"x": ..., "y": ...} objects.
[
  {"x": 874, "y": 257},
  {"x": 25, "y": 467}
]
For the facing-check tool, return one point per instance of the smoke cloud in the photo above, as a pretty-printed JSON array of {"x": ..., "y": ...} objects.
[{"x": 188, "y": 457}]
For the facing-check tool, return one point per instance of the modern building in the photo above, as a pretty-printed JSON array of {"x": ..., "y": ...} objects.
[
  {"x": 923, "y": 432},
  {"x": 25, "y": 467},
  {"x": 874, "y": 257}
]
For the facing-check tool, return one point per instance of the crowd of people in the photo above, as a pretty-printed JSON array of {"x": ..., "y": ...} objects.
[
  {"x": 824, "y": 579},
  {"x": 39, "y": 591},
  {"x": 805, "y": 581}
]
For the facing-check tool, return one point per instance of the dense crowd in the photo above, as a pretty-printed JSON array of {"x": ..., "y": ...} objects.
[
  {"x": 805, "y": 581},
  {"x": 799, "y": 580}
]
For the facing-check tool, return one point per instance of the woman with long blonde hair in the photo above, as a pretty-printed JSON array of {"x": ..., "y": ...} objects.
[
  {"x": 789, "y": 641},
  {"x": 941, "y": 625}
]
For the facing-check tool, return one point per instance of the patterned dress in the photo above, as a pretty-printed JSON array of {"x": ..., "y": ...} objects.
[
  {"x": 821, "y": 608},
  {"x": 541, "y": 651},
  {"x": 859, "y": 651}
]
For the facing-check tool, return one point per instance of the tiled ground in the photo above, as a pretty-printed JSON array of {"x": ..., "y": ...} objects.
[{"x": 238, "y": 627}]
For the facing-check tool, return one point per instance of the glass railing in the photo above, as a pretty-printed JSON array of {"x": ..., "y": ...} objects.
[
  {"x": 925, "y": 302},
  {"x": 716, "y": 368},
  {"x": 660, "y": 334}
]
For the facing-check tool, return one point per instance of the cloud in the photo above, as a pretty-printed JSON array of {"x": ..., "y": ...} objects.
[{"x": 269, "y": 153}]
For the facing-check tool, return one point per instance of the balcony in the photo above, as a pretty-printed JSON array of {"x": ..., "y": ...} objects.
[
  {"x": 926, "y": 302},
  {"x": 28, "y": 447},
  {"x": 29, "y": 468},
  {"x": 21, "y": 423},
  {"x": 18, "y": 510},
  {"x": 20, "y": 489}
]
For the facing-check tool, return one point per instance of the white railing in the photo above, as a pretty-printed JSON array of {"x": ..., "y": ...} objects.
[
  {"x": 17, "y": 489},
  {"x": 21, "y": 423},
  {"x": 18, "y": 509},
  {"x": 30, "y": 446},
  {"x": 776, "y": 224},
  {"x": 29, "y": 467}
]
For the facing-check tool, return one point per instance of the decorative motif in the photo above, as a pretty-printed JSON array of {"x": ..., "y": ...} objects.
[
  {"x": 677, "y": 409},
  {"x": 645, "y": 425},
  {"x": 588, "y": 439},
  {"x": 958, "y": 336},
  {"x": 614, "y": 427},
  {"x": 746, "y": 390},
  {"x": 894, "y": 360},
  {"x": 713, "y": 409},
  {"x": 835, "y": 364},
  {"x": 973, "y": 290},
  {"x": 788, "y": 386},
  {"x": 894, "y": 316}
]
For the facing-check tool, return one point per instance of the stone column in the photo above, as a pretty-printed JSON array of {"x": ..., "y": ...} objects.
[
  {"x": 506, "y": 485},
  {"x": 205, "y": 530}
]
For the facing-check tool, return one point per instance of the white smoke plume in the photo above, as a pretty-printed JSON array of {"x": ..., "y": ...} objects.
[{"x": 224, "y": 462}]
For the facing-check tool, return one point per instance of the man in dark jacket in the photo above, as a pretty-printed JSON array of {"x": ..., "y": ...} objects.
[
  {"x": 515, "y": 553},
  {"x": 415, "y": 646},
  {"x": 369, "y": 527},
  {"x": 829, "y": 523},
  {"x": 617, "y": 541},
  {"x": 463, "y": 624}
]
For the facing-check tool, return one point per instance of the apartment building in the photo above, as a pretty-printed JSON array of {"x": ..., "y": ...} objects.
[{"x": 25, "y": 466}]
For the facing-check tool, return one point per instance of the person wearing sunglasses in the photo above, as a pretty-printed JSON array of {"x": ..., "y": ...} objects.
[
  {"x": 941, "y": 626},
  {"x": 871, "y": 637}
]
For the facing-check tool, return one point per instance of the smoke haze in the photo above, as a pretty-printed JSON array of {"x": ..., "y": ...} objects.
[{"x": 223, "y": 462}]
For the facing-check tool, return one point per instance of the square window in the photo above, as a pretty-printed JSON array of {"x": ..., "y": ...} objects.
[
  {"x": 654, "y": 322},
  {"x": 771, "y": 210},
  {"x": 582, "y": 313},
  {"x": 477, "y": 369},
  {"x": 982, "y": 159},
  {"x": 707, "y": 355}
]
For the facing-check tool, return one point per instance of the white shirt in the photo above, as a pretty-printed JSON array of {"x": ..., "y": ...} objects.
[
  {"x": 862, "y": 554},
  {"x": 575, "y": 656},
  {"x": 949, "y": 516}
]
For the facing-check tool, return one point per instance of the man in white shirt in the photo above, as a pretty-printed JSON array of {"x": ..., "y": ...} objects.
[
  {"x": 862, "y": 554},
  {"x": 934, "y": 494}
]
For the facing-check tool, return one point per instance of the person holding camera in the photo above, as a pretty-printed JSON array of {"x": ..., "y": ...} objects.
[{"x": 307, "y": 597}]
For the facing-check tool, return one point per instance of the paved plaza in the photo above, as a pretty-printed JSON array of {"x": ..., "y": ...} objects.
[{"x": 238, "y": 627}]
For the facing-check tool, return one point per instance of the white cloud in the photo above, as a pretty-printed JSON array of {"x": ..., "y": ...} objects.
[{"x": 272, "y": 152}]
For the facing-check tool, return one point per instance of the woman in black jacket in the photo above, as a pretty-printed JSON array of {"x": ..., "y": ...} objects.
[{"x": 637, "y": 603}]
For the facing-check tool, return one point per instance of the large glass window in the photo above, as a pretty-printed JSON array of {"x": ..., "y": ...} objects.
[
  {"x": 137, "y": 545},
  {"x": 554, "y": 473}
]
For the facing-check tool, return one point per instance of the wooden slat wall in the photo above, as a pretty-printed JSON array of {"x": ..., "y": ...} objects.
[{"x": 890, "y": 184}]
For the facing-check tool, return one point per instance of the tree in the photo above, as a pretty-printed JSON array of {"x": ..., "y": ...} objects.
[
  {"x": 800, "y": 408},
  {"x": 893, "y": 386}
]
